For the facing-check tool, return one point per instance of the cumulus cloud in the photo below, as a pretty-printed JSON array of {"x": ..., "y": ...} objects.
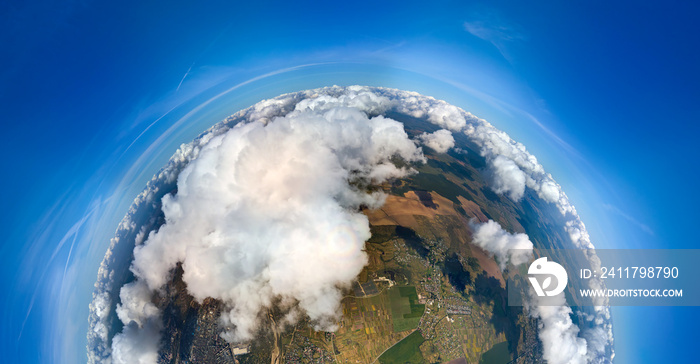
[
  {"x": 99, "y": 332},
  {"x": 447, "y": 116},
  {"x": 359, "y": 98},
  {"x": 547, "y": 189},
  {"x": 560, "y": 338},
  {"x": 270, "y": 214},
  {"x": 440, "y": 141},
  {"x": 507, "y": 247},
  {"x": 140, "y": 338},
  {"x": 596, "y": 341},
  {"x": 136, "y": 306},
  {"x": 437, "y": 112},
  {"x": 507, "y": 177},
  {"x": 137, "y": 344},
  {"x": 512, "y": 167}
]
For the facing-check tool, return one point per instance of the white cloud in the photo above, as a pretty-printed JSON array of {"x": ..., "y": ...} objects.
[
  {"x": 271, "y": 212},
  {"x": 136, "y": 304},
  {"x": 99, "y": 330},
  {"x": 137, "y": 344},
  {"x": 560, "y": 338},
  {"x": 437, "y": 112},
  {"x": 548, "y": 190},
  {"x": 507, "y": 247},
  {"x": 512, "y": 167},
  {"x": 508, "y": 177},
  {"x": 447, "y": 116},
  {"x": 441, "y": 140},
  {"x": 596, "y": 341},
  {"x": 359, "y": 98},
  {"x": 140, "y": 338}
]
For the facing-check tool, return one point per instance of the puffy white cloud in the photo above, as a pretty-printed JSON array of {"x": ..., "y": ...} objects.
[
  {"x": 99, "y": 330},
  {"x": 271, "y": 212},
  {"x": 137, "y": 344},
  {"x": 357, "y": 97},
  {"x": 447, "y": 116},
  {"x": 441, "y": 140},
  {"x": 140, "y": 338},
  {"x": 507, "y": 247},
  {"x": 507, "y": 177},
  {"x": 267, "y": 110},
  {"x": 596, "y": 341},
  {"x": 548, "y": 190},
  {"x": 560, "y": 338},
  {"x": 136, "y": 304}
]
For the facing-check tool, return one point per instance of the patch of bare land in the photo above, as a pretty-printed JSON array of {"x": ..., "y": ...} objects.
[
  {"x": 472, "y": 209},
  {"x": 401, "y": 210},
  {"x": 488, "y": 264}
]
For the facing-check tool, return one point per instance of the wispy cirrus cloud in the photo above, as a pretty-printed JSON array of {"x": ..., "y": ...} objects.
[
  {"x": 642, "y": 226},
  {"x": 497, "y": 31}
]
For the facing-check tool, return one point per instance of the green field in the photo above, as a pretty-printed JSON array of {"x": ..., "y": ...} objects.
[
  {"x": 497, "y": 355},
  {"x": 405, "y": 309},
  {"x": 405, "y": 351}
]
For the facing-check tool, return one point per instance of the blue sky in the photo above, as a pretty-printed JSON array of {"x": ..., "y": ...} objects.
[{"x": 95, "y": 97}]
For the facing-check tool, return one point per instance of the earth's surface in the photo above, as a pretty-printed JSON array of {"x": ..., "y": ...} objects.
[{"x": 426, "y": 295}]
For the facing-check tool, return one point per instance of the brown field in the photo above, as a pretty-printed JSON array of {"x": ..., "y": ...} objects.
[
  {"x": 472, "y": 209},
  {"x": 399, "y": 210},
  {"x": 488, "y": 264}
]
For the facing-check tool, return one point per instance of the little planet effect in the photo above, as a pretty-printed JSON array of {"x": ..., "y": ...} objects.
[{"x": 341, "y": 225}]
